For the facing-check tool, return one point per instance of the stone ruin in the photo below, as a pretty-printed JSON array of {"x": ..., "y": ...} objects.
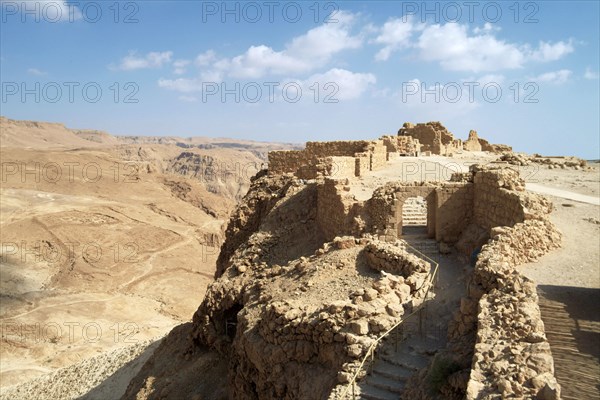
[
  {"x": 355, "y": 158},
  {"x": 309, "y": 276},
  {"x": 436, "y": 139},
  {"x": 297, "y": 287}
]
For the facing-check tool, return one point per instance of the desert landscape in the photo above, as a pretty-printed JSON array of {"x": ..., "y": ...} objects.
[
  {"x": 150, "y": 267},
  {"x": 282, "y": 200},
  {"x": 107, "y": 242}
]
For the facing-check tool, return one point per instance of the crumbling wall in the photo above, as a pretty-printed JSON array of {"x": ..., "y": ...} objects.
[
  {"x": 512, "y": 355},
  {"x": 337, "y": 148},
  {"x": 340, "y": 167},
  {"x": 298, "y": 162},
  {"x": 338, "y": 213},
  {"x": 449, "y": 208},
  {"x": 454, "y": 210},
  {"x": 391, "y": 258},
  {"x": 362, "y": 163},
  {"x": 433, "y": 137},
  {"x": 408, "y": 146},
  {"x": 378, "y": 154},
  {"x": 498, "y": 329},
  {"x": 472, "y": 143},
  {"x": 501, "y": 200},
  {"x": 494, "y": 148},
  {"x": 496, "y": 201},
  {"x": 339, "y": 158}
]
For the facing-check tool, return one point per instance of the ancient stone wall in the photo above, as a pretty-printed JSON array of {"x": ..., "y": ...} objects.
[
  {"x": 337, "y": 211},
  {"x": 363, "y": 163},
  {"x": 512, "y": 356},
  {"x": 328, "y": 158},
  {"x": 340, "y": 167},
  {"x": 494, "y": 148},
  {"x": 337, "y": 148},
  {"x": 433, "y": 137},
  {"x": 453, "y": 211},
  {"x": 298, "y": 162},
  {"x": 378, "y": 152},
  {"x": 408, "y": 146},
  {"x": 498, "y": 330},
  {"x": 449, "y": 208},
  {"x": 496, "y": 201}
]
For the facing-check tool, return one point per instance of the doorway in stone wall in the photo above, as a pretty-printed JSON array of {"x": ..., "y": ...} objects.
[{"x": 414, "y": 216}]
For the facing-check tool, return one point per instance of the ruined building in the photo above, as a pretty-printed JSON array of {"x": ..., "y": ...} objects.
[
  {"x": 355, "y": 158},
  {"x": 435, "y": 138},
  {"x": 310, "y": 278}
]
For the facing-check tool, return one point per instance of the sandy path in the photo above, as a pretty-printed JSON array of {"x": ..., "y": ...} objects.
[{"x": 565, "y": 194}]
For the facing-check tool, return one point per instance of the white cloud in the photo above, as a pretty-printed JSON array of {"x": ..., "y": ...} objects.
[
  {"x": 180, "y": 66},
  {"x": 487, "y": 28},
  {"x": 589, "y": 74},
  {"x": 453, "y": 47},
  {"x": 347, "y": 85},
  {"x": 302, "y": 54},
  {"x": 336, "y": 83},
  {"x": 554, "y": 77},
  {"x": 36, "y": 72},
  {"x": 151, "y": 60},
  {"x": 182, "y": 85},
  {"x": 205, "y": 58},
  {"x": 547, "y": 51},
  {"x": 451, "y": 100},
  {"x": 261, "y": 60},
  {"x": 395, "y": 34}
]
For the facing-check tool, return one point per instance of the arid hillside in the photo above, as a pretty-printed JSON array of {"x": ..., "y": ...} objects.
[{"x": 106, "y": 241}]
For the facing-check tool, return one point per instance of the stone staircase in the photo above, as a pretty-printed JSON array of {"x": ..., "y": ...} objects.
[
  {"x": 409, "y": 348},
  {"x": 414, "y": 212},
  {"x": 397, "y": 362},
  {"x": 423, "y": 244}
]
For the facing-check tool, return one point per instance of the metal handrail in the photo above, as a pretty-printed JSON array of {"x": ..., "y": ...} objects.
[{"x": 371, "y": 351}]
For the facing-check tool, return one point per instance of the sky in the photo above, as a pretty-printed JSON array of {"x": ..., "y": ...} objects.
[{"x": 520, "y": 73}]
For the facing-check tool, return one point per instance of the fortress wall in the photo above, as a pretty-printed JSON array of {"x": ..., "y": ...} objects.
[
  {"x": 340, "y": 167},
  {"x": 378, "y": 152},
  {"x": 453, "y": 211},
  {"x": 336, "y": 148},
  {"x": 497, "y": 201}
]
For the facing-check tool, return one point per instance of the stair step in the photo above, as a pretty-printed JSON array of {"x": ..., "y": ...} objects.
[
  {"x": 412, "y": 362},
  {"x": 369, "y": 392},
  {"x": 391, "y": 371},
  {"x": 385, "y": 383}
]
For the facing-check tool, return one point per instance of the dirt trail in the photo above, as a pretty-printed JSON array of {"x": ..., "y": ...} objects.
[{"x": 565, "y": 194}]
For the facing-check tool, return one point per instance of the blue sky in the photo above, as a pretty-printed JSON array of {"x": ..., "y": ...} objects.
[{"x": 524, "y": 74}]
